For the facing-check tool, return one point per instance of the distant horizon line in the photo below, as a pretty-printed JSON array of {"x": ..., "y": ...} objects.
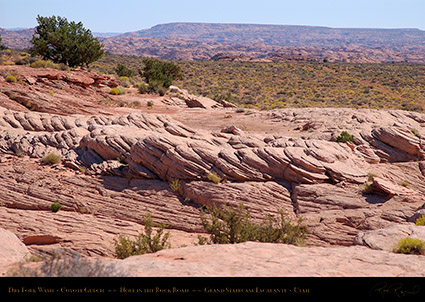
[{"x": 230, "y": 23}]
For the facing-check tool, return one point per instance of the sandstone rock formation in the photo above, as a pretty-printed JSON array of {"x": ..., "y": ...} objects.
[
  {"x": 12, "y": 250},
  {"x": 387, "y": 238},
  {"x": 265, "y": 260},
  {"x": 312, "y": 176},
  {"x": 54, "y": 91},
  {"x": 117, "y": 164},
  {"x": 193, "y": 101}
]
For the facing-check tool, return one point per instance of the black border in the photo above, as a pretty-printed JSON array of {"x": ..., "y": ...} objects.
[{"x": 181, "y": 287}]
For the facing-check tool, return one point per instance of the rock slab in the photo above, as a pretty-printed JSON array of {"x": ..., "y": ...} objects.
[
  {"x": 12, "y": 250},
  {"x": 252, "y": 259}
]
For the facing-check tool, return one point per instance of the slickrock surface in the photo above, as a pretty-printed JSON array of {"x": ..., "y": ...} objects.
[
  {"x": 387, "y": 238},
  {"x": 12, "y": 250},
  {"x": 117, "y": 164},
  {"x": 252, "y": 259}
]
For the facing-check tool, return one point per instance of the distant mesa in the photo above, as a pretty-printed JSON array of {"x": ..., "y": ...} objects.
[{"x": 203, "y": 41}]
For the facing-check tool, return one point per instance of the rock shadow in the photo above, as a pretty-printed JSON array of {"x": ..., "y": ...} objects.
[
  {"x": 120, "y": 183},
  {"x": 143, "y": 187},
  {"x": 376, "y": 198}
]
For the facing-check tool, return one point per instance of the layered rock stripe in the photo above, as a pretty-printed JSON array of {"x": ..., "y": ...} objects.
[
  {"x": 304, "y": 176},
  {"x": 156, "y": 146}
]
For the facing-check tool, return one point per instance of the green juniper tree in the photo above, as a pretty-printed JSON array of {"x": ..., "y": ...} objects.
[
  {"x": 159, "y": 74},
  {"x": 123, "y": 71},
  {"x": 2, "y": 47},
  {"x": 65, "y": 42}
]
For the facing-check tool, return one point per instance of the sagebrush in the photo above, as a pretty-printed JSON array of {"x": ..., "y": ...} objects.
[
  {"x": 234, "y": 225},
  {"x": 410, "y": 246},
  {"x": 145, "y": 242},
  {"x": 51, "y": 159}
]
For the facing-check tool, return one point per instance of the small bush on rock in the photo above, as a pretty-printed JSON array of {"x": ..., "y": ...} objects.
[
  {"x": 410, "y": 246},
  {"x": 212, "y": 176},
  {"x": 117, "y": 90},
  {"x": 10, "y": 79},
  {"x": 345, "y": 137},
  {"x": 114, "y": 91},
  {"x": 51, "y": 159},
  {"x": 234, "y": 225},
  {"x": 145, "y": 242},
  {"x": 56, "y": 206},
  {"x": 420, "y": 220},
  {"x": 175, "y": 185}
]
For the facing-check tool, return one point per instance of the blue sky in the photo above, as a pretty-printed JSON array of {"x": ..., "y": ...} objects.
[{"x": 132, "y": 15}]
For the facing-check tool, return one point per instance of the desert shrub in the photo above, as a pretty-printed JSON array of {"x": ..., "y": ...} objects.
[
  {"x": 38, "y": 64},
  {"x": 125, "y": 82},
  {"x": 415, "y": 131},
  {"x": 135, "y": 104},
  {"x": 370, "y": 176},
  {"x": 117, "y": 90},
  {"x": 61, "y": 265},
  {"x": 403, "y": 183},
  {"x": 143, "y": 88},
  {"x": 296, "y": 84},
  {"x": 155, "y": 86},
  {"x": 13, "y": 96},
  {"x": 228, "y": 225},
  {"x": 114, "y": 91},
  {"x": 48, "y": 64},
  {"x": 345, "y": 137},
  {"x": 145, "y": 242},
  {"x": 121, "y": 90},
  {"x": 212, "y": 176},
  {"x": 56, "y": 206},
  {"x": 122, "y": 71},
  {"x": 51, "y": 159},
  {"x": 410, "y": 246},
  {"x": 10, "y": 79},
  {"x": 161, "y": 91},
  {"x": 121, "y": 160},
  {"x": 22, "y": 61},
  {"x": 368, "y": 188},
  {"x": 234, "y": 225},
  {"x": 420, "y": 220},
  {"x": 175, "y": 185}
]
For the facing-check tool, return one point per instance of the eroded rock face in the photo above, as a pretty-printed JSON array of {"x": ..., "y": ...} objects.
[
  {"x": 261, "y": 197},
  {"x": 118, "y": 168},
  {"x": 193, "y": 101},
  {"x": 55, "y": 91},
  {"x": 167, "y": 149}
]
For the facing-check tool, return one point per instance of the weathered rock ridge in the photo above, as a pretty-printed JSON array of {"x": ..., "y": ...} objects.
[
  {"x": 117, "y": 165},
  {"x": 309, "y": 176},
  {"x": 156, "y": 146}
]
